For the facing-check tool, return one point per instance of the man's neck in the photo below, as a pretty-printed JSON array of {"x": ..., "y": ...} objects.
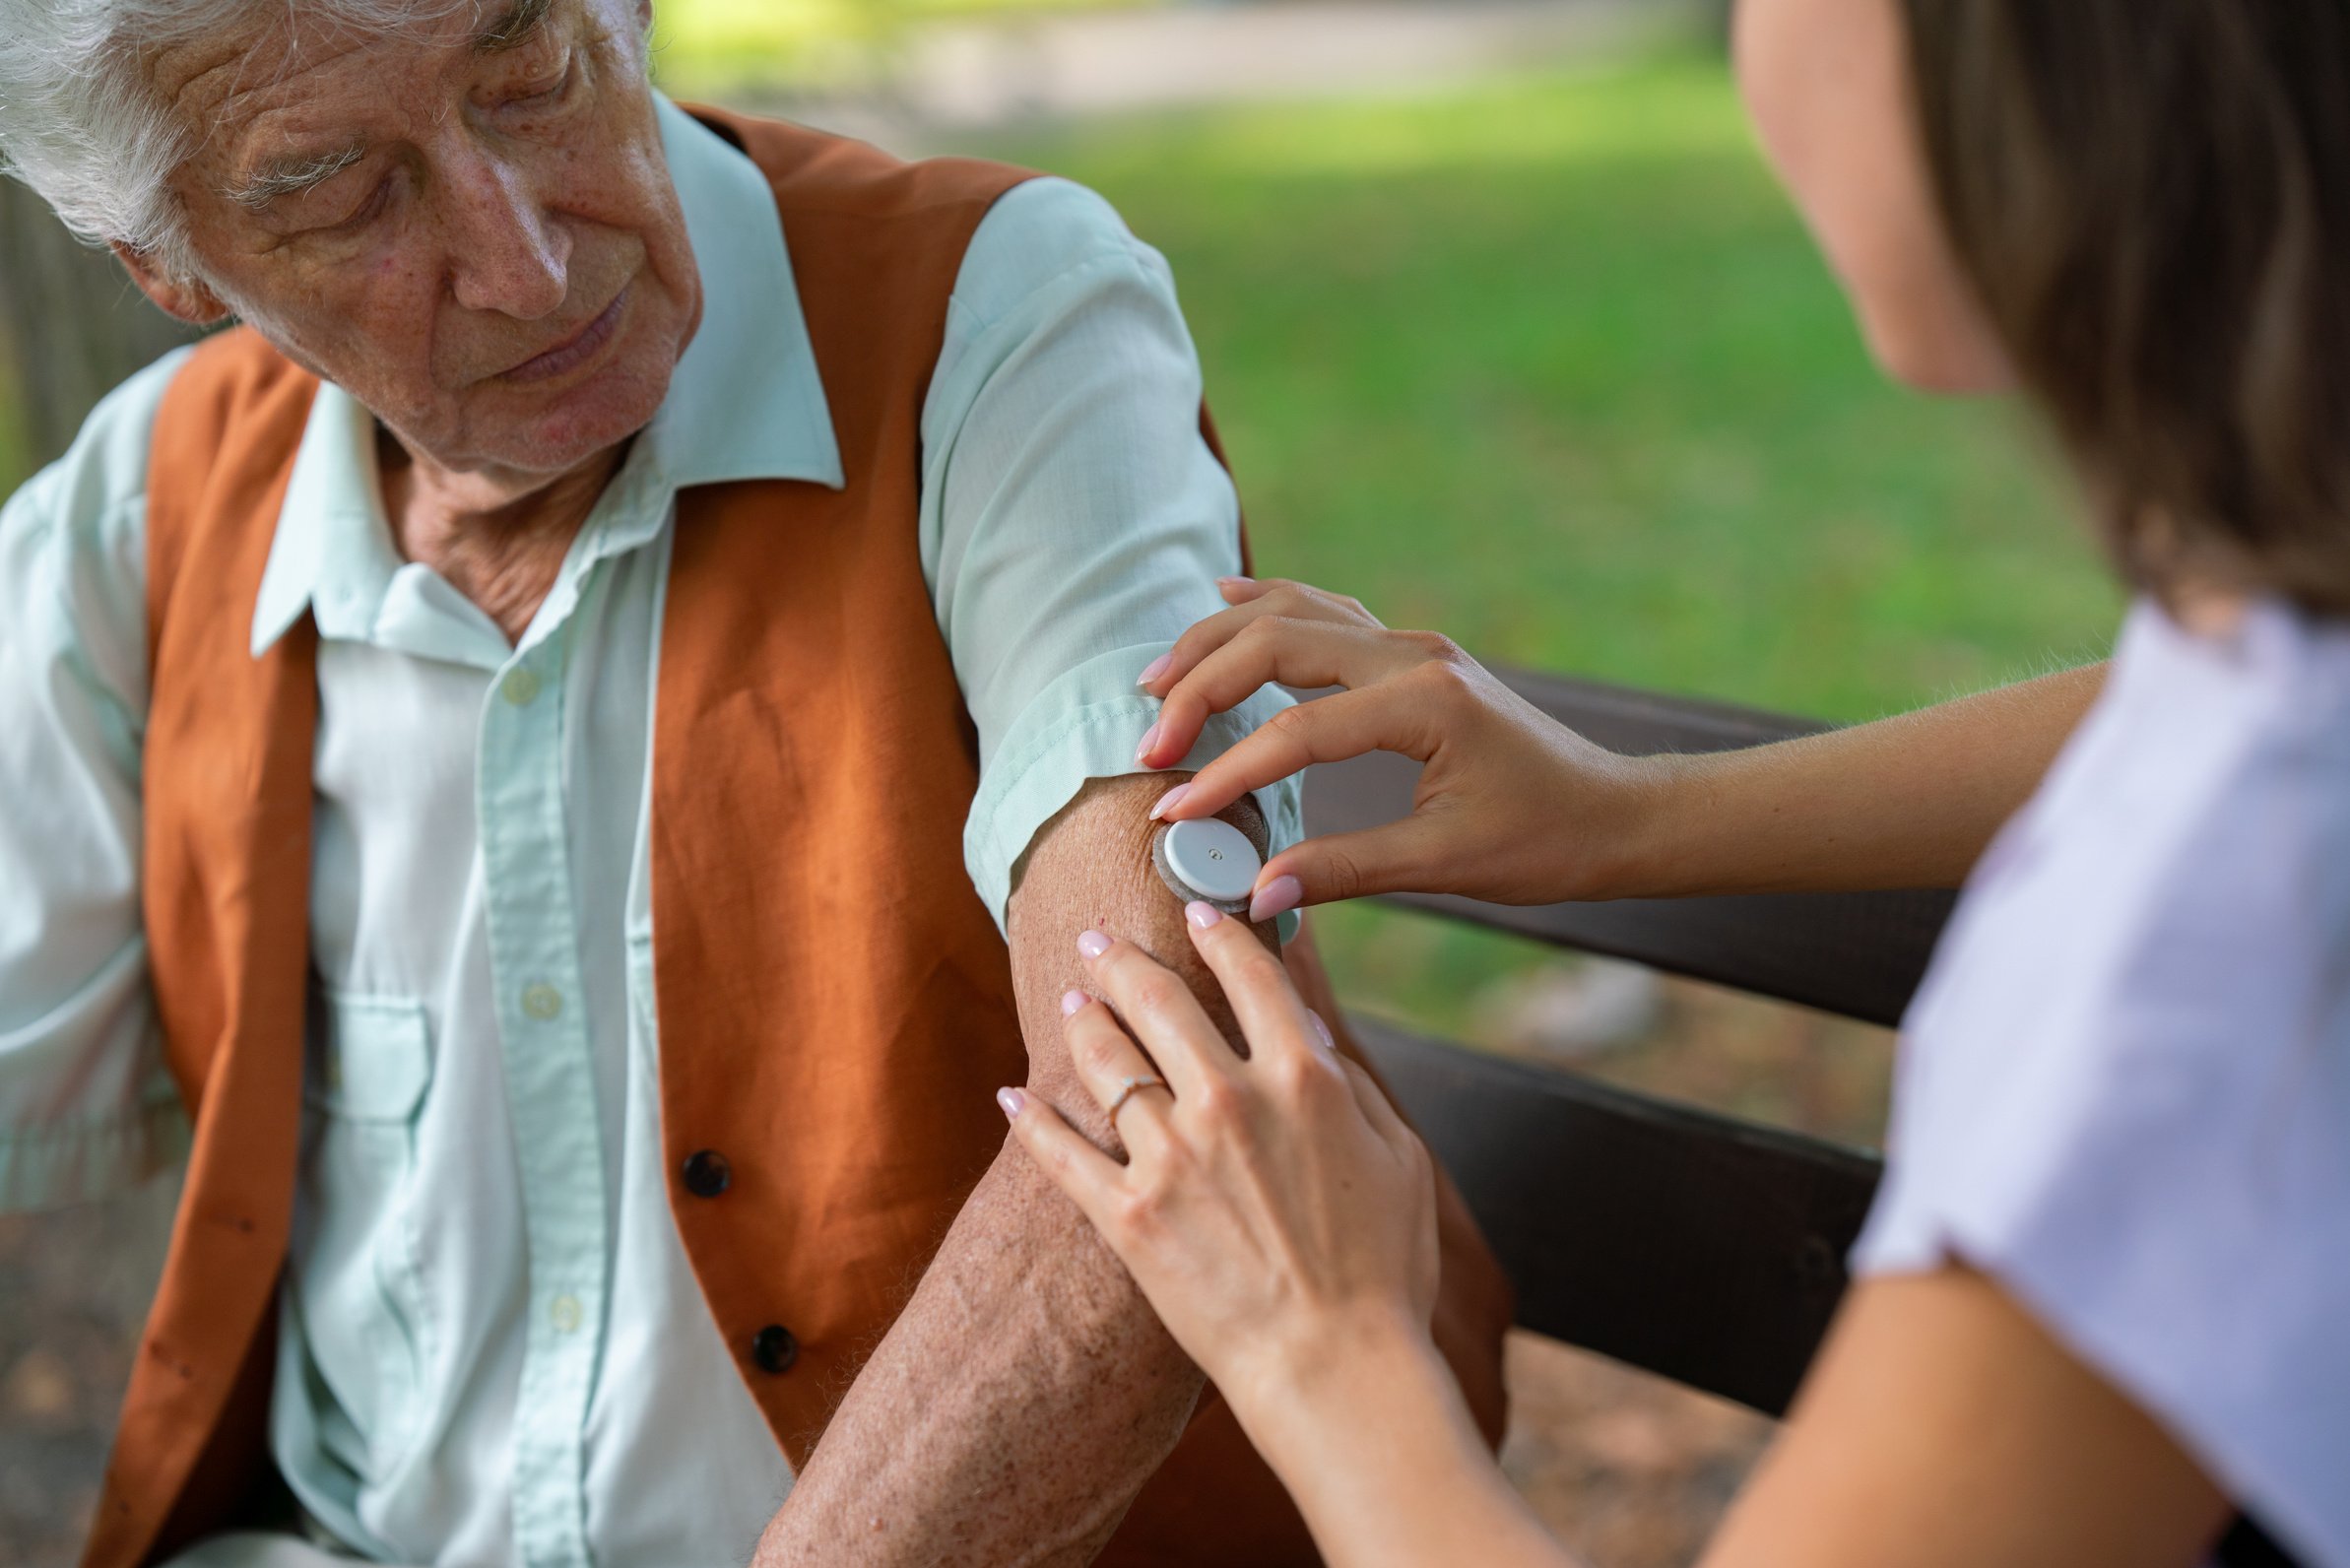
[{"x": 501, "y": 544}]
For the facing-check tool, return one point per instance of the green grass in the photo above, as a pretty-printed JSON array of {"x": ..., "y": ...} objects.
[
  {"x": 711, "y": 46},
  {"x": 1552, "y": 367}
]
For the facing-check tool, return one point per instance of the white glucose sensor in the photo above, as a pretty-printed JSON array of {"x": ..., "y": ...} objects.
[{"x": 1209, "y": 860}]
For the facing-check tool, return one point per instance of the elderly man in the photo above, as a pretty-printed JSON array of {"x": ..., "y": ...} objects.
[{"x": 519, "y": 759}]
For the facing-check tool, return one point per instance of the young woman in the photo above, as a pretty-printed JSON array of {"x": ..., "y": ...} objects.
[{"x": 2104, "y": 1300}]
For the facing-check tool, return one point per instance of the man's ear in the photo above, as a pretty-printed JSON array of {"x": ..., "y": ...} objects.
[{"x": 192, "y": 302}]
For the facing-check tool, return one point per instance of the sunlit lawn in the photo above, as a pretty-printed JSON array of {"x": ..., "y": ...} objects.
[
  {"x": 1554, "y": 367},
  {"x": 1551, "y": 366},
  {"x": 709, "y": 45}
]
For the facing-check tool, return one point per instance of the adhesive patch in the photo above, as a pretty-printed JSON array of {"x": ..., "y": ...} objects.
[{"x": 1209, "y": 860}]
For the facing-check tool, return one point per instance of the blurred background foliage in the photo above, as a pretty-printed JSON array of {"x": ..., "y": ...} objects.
[
  {"x": 1549, "y": 364},
  {"x": 1509, "y": 333},
  {"x": 712, "y": 46},
  {"x": 1535, "y": 353},
  {"x": 1508, "y": 328}
]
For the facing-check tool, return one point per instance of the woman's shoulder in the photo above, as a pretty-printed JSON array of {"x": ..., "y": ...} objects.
[
  {"x": 2175, "y": 902},
  {"x": 2124, "y": 1089},
  {"x": 2196, "y": 834}
]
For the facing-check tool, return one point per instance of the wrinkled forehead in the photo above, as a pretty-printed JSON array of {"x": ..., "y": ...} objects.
[{"x": 273, "y": 72}]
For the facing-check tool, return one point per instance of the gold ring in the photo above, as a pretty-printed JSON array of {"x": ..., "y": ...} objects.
[{"x": 1129, "y": 1087}]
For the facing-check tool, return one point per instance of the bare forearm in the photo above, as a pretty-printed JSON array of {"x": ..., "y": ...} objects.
[
  {"x": 1907, "y": 802},
  {"x": 1383, "y": 1458},
  {"x": 1016, "y": 1408},
  {"x": 1027, "y": 1391}
]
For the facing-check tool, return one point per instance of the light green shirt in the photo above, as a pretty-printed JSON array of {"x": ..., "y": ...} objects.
[{"x": 491, "y": 1349}]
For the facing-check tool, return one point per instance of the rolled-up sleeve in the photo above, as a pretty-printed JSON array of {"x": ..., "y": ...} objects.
[
  {"x": 85, "y": 1106},
  {"x": 1074, "y": 520}
]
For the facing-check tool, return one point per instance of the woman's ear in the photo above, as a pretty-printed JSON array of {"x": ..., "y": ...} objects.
[{"x": 192, "y": 302}]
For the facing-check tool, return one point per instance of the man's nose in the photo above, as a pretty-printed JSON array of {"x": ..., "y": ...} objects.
[{"x": 505, "y": 254}]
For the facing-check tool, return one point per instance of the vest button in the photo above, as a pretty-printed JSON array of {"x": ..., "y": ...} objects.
[
  {"x": 774, "y": 1349},
  {"x": 707, "y": 1174}
]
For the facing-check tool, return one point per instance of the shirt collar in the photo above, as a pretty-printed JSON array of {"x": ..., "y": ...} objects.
[{"x": 746, "y": 401}]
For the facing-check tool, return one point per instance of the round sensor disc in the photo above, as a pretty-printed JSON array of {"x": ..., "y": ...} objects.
[{"x": 1209, "y": 860}]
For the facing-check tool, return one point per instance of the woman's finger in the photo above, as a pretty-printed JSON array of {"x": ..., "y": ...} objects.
[
  {"x": 1401, "y": 856},
  {"x": 1158, "y": 1007},
  {"x": 1327, "y": 603},
  {"x": 1250, "y": 600},
  {"x": 1326, "y": 729},
  {"x": 1107, "y": 1061},
  {"x": 1240, "y": 590},
  {"x": 1288, "y": 649},
  {"x": 1273, "y": 1017},
  {"x": 1377, "y": 1109},
  {"x": 1067, "y": 1158}
]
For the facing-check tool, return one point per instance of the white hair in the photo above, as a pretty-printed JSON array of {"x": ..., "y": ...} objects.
[{"x": 80, "y": 121}]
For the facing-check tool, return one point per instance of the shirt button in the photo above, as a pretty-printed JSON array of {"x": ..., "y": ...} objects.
[
  {"x": 563, "y": 1312},
  {"x": 541, "y": 1002},
  {"x": 520, "y": 686},
  {"x": 707, "y": 1174},
  {"x": 774, "y": 1349}
]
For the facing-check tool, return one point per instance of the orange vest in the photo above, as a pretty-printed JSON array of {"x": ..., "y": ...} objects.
[{"x": 789, "y": 681}]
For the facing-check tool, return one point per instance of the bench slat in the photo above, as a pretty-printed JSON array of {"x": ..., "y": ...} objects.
[
  {"x": 1859, "y": 955},
  {"x": 1695, "y": 1246}
]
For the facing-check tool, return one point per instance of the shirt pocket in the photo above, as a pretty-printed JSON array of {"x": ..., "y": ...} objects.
[{"x": 358, "y": 1287}]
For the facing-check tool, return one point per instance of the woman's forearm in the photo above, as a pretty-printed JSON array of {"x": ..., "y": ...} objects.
[
  {"x": 1372, "y": 1438},
  {"x": 1906, "y": 802}
]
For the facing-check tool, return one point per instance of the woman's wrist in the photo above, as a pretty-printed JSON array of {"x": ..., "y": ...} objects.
[
  {"x": 1292, "y": 1394},
  {"x": 1632, "y": 840},
  {"x": 1376, "y": 1443}
]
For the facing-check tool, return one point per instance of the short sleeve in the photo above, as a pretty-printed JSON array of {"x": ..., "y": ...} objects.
[
  {"x": 1074, "y": 519},
  {"x": 2124, "y": 1089}
]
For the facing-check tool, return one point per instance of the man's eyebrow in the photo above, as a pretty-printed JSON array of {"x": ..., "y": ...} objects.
[
  {"x": 292, "y": 174},
  {"x": 513, "y": 26}
]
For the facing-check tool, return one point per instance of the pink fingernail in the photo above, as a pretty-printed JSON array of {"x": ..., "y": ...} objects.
[
  {"x": 1012, "y": 1101},
  {"x": 1149, "y": 739},
  {"x": 1092, "y": 943},
  {"x": 1202, "y": 914},
  {"x": 1166, "y": 801},
  {"x": 1236, "y": 582},
  {"x": 1071, "y": 1001},
  {"x": 1322, "y": 1028},
  {"x": 1154, "y": 669},
  {"x": 1276, "y": 898}
]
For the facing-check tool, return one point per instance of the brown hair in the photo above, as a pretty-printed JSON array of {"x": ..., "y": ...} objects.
[{"x": 2152, "y": 200}]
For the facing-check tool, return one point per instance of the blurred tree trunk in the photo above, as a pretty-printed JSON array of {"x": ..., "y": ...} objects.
[
  {"x": 72, "y": 323},
  {"x": 1718, "y": 13}
]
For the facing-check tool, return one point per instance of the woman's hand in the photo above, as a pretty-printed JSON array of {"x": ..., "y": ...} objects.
[
  {"x": 1276, "y": 1212},
  {"x": 1512, "y": 806},
  {"x": 1282, "y": 1218}
]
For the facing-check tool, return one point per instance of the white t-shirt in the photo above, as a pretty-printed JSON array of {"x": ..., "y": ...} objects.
[{"x": 2124, "y": 1086}]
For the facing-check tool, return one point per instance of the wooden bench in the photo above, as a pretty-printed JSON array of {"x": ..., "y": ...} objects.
[{"x": 1694, "y": 1245}]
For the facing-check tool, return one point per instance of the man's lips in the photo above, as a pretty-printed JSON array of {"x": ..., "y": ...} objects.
[{"x": 581, "y": 347}]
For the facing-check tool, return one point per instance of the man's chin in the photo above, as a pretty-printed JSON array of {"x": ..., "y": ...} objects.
[{"x": 583, "y": 423}]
